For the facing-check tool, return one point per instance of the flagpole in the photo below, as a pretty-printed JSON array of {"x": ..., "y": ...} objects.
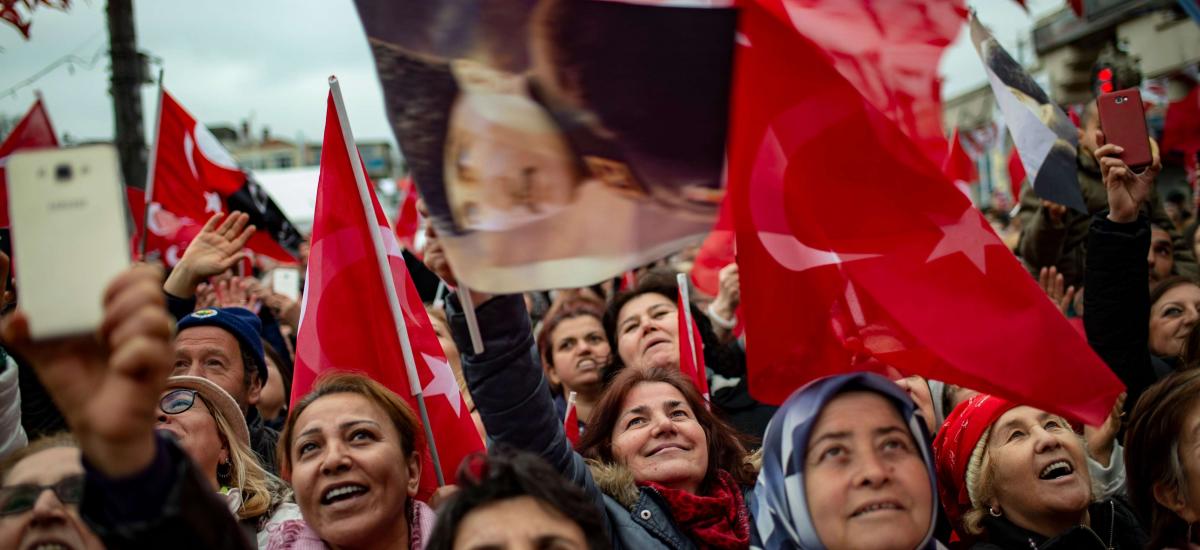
[
  {"x": 570, "y": 405},
  {"x": 385, "y": 273},
  {"x": 468, "y": 304},
  {"x": 681, "y": 280},
  {"x": 149, "y": 194}
]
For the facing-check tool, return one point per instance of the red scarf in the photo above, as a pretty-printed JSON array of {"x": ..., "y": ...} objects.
[{"x": 716, "y": 520}]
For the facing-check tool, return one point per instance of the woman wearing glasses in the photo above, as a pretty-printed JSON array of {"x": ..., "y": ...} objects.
[
  {"x": 40, "y": 489},
  {"x": 206, "y": 422}
]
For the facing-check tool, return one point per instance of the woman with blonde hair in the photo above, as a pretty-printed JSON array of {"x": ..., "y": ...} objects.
[{"x": 207, "y": 423}]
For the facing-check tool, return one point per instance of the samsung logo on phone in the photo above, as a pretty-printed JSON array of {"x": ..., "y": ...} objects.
[{"x": 69, "y": 204}]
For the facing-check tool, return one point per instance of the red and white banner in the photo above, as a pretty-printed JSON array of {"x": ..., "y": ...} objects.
[
  {"x": 33, "y": 132},
  {"x": 346, "y": 323},
  {"x": 854, "y": 250},
  {"x": 194, "y": 178}
]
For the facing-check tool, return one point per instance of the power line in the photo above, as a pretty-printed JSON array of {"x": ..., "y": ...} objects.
[{"x": 72, "y": 59}]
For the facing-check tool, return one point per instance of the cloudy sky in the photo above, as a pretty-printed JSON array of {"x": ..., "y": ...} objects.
[{"x": 268, "y": 60}]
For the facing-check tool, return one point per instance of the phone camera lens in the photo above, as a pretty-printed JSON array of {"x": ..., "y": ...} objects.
[
  {"x": 1121, "y": 99},
  {"x": 62, "y": 172}
]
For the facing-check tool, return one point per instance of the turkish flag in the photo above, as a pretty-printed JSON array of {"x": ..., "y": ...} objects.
[
  {"x": 408, "y": 220},
  {"x": 958, "y": 166},
  {"x": 856, "y": 253},
  {"x": 691, "y": 348},
  {"x": 347, "y": 325},
  {"x": 1016, "y": 174},
  {"x": 33, "y": 132},
  {"x": 571, "y": 422},
  {"x": 1181, "y": 131},
  {"x": 716, "y": 252},
  {"x": 194, "y": 178},
  {"x": 888, "y": 51}
]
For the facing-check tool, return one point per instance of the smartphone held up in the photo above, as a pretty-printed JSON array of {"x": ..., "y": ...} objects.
[
  {"x": 1123, "y": 120},
  {"x": 69, "y": 235}
]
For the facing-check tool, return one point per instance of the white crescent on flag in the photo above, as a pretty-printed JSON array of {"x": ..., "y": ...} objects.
[{"x": 767, "y": 200}]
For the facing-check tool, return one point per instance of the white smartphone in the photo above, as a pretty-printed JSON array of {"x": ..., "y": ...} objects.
[
  {"x": 286, "y": 281},
  {"x": 69, "y": 235}
]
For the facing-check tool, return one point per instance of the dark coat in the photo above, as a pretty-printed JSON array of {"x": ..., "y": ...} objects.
[
  {"x": 1113, "y": 527},
  {"x": 168, "y": 505},
  {"x": 1117, "y": 303},
  {"x": 513, "y": 398}
]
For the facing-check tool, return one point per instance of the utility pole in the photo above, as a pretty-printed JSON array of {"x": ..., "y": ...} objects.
[{"x": 128, "y": 75}]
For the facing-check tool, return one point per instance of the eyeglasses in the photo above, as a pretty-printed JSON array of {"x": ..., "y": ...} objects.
[
  {"x": 177, "y": 401},
  {"x": 16, "y": 499}
]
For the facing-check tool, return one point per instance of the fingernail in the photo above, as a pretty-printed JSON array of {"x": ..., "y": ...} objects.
[{"x": 1119, "y": 149}]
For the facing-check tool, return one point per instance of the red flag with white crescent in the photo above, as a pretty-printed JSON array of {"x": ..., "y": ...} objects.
[
  {"x": 915, "y": 279},
  {"x": 194, "y": 178},
  {"x": 347, "y": 325}
]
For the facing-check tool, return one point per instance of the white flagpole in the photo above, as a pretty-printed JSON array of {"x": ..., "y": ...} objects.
[
  {"x": 681, "y": 280},
  {"x": 570, "y": 405},
  {"x": 464, "y": 298},
  {"x": 149, "y": 195},
  {"x": 385, "y": 272}
]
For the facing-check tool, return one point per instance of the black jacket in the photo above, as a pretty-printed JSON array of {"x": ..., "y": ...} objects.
[
  {"x": 168, "y": 505},
  {"x": 1117, "y": 303},
  {"x": 263, "y": 439},
  {"x": 1113, "y": 527}
]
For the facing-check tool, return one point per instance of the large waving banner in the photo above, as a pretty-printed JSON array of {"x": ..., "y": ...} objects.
[
  {"x": 1041, "y": 131},
  {"x": 558, "y": 142}
]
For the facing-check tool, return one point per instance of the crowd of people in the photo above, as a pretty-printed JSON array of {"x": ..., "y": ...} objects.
[{"x": 179, "y": 434}]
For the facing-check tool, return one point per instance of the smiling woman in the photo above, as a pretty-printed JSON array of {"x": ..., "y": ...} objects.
[
  {"x": 352, "y": 450},
  {"x": 666, "y": 472}
]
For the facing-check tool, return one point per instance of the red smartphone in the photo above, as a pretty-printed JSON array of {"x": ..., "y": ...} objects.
[{"x": 1123, "y": 120}]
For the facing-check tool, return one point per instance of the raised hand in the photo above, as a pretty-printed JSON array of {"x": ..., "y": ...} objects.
[
  {"x": 1126, "y": 189},
  {"x": 1051, "y": 282},
  {"x": 108, "y": 385},
  {"x": 1100, "y": 439},
  {"x": 1053, "y": 211},
  {"x": 216, "y": 248},
  {"x": 237, "y": 292},
  {"x": 434, "y": 255},
  {"x": 729, "y": 292}
]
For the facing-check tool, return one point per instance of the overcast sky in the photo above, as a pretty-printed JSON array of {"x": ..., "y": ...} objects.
[{"x": 268, "y": 60}]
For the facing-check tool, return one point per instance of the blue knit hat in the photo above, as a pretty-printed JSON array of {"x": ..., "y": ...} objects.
[{"x": 240, "y": 322}]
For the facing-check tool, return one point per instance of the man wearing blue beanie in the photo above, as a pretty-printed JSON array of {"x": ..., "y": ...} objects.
[{"x": 224, "y": 345}]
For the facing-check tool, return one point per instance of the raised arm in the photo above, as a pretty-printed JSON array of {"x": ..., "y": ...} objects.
[
  {"x": 141, "y": 491},
  {"x": 1117, "y": 300}
]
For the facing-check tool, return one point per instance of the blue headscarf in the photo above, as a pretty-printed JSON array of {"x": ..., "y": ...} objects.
[{"x": 779, "y": 509}]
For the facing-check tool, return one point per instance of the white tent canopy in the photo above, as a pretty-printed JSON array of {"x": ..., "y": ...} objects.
[{"x": 295, "y": 191}]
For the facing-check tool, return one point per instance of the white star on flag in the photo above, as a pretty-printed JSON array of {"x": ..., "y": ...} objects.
[
  {"x": 212, "y": 202},
  {"x": 966, "y": 235},
  {"x": 443, "y": 382}
]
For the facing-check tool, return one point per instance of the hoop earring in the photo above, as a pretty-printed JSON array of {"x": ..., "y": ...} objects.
[
  {"x": 994, "y": 513},
  {"x": 224, "y": 470}
]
